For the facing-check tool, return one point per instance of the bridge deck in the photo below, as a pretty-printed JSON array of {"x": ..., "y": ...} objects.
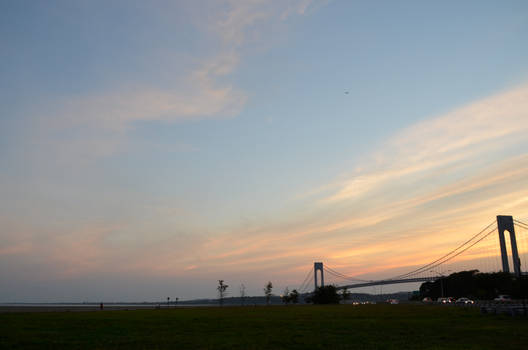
[{"x": 383, "y": 282}]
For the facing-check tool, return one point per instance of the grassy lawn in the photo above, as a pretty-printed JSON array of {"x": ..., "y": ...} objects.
[{"x": 292, "y": 327}]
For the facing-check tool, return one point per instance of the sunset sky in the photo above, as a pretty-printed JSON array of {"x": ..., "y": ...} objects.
[{"x": 150, "y": 148}]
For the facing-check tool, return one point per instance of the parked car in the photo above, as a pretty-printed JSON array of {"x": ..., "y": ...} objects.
[
  {"x": 447, "y": 300},
  {"x": 427, "y": 300},
  {"x": 464, "y": 301},
  {"x": 503, "y": 297}
]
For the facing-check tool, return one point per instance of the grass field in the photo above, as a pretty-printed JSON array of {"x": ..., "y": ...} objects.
[{"x": 278, "y": 327}]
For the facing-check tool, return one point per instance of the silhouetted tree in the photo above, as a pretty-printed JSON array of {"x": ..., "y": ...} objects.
[
  {"x": 242, "y": 293},
  {"x": 476, "y": 285},
  {"x": 294, "y": 296},
  {"x": 285, "y": 297},
  {"x": 345, "y": 294},
  {"x": 267, "y": 292},
  {"x": 221, "y": 291},
  {"x": 325, "y": 295}
]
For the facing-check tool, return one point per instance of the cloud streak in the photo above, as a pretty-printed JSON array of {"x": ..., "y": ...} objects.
[
  {"x": 101, "y": 120},
  {"x": 199, "y": 97},
  {"x": 487, "y": 125}
]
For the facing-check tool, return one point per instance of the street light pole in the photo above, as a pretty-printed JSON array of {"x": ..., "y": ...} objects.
[
  {"x": 442, "y": 276},
  {"x": 441, "y": 282}
]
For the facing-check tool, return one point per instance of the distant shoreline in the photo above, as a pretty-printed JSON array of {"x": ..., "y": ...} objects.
[
  {"x": 229, "y": 301},
  {"x": 15, "y": 307}
]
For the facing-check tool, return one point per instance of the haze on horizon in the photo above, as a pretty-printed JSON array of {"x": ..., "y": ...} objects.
[{"x": 148, "y": 149}]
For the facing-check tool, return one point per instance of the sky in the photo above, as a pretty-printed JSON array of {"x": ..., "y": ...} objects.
[{"x": 150, "y": 148}]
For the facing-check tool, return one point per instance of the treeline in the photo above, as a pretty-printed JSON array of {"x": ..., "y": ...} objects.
[
  {"x": 476, "y": 285},
  {"x": 247, "y": 300}
]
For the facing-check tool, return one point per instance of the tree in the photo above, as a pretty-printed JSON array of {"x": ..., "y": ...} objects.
[
  {"x": 294, "y": 296},
  {"x": 267, "y": 292},
  {"x": 476, "y": 285},
  {"x": 345, "y": 294},
  {"x": 326, "y": 295},
  {"x": 286, "y": 296},
  {"x": 221, "y": 291},
  {"x": 242, "y": 293}
]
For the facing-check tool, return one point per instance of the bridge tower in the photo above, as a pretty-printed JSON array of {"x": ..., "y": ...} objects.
[
  {"x": 318, "y": 266},
  {"x": 505, "y": 223}
]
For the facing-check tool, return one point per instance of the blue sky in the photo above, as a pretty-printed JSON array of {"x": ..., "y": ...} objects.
[{"x": 145, "y": 143}]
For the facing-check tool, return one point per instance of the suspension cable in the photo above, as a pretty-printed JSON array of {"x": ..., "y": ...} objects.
[
  {"x": 431, "y": 264},
  {"x": 460, "y": 252},
  {"x": 341, "y": 278},
  {"x": 520, "y": 223},
  {"x": 339, "y": 274},
  {"x": 305, "y": 280},
  {"x": 307, "y": 286}
]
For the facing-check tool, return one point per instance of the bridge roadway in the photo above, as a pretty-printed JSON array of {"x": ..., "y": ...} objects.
[{"x": 383, "y": 282}]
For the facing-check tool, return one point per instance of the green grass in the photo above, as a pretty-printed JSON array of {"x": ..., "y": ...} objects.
[{"x": 292, "y": 327}]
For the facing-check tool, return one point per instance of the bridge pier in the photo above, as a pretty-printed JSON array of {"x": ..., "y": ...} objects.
[
  {"x": 318, "y": 266},
  {"x": 505, "y": 223}
]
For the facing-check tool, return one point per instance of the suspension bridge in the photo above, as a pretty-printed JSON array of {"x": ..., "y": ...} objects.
[{"x": 486, "y": 251}]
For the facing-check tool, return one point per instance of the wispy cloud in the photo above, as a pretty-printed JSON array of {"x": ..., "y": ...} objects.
[
  {"x": 459, "y": 136},
  {"x": 199, "y": 96},
  {"x": 99, "y": 121},
  {"x": 236, "y": 25}
]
